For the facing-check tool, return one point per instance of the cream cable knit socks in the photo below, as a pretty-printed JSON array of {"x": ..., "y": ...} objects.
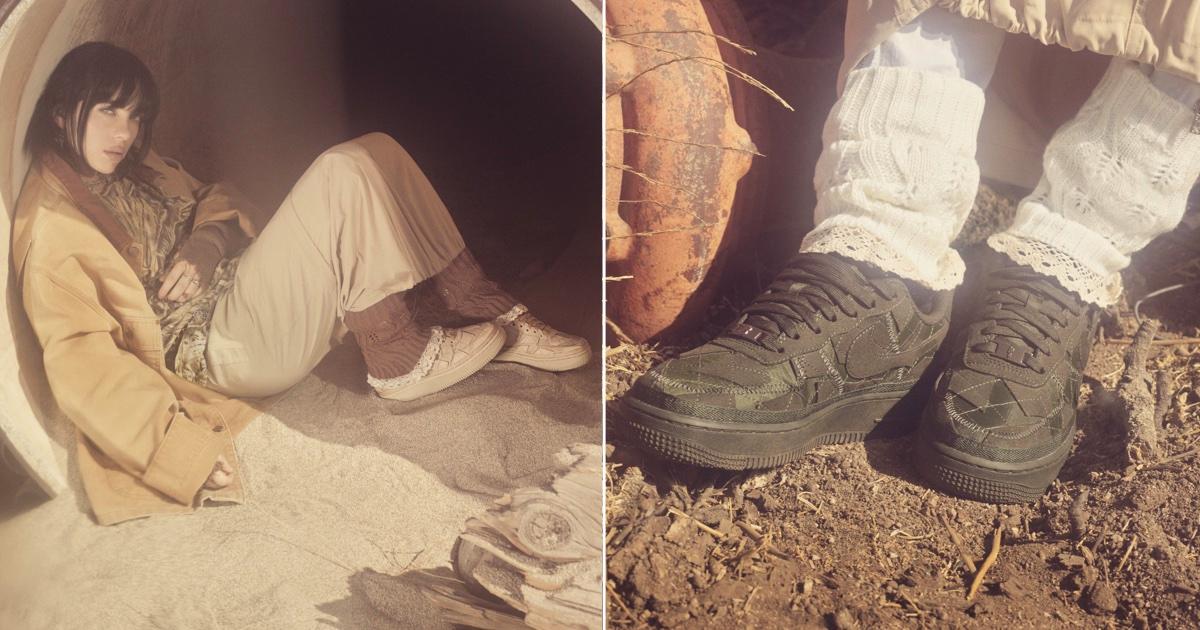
[
  {"x": 898, "y": 175},
  {"x": 1115, "y": 176}
]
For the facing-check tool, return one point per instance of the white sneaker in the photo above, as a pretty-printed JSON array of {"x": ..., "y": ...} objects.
[
  {"x": 532, "y": 342},
  {"x": 450, "y": 356}
]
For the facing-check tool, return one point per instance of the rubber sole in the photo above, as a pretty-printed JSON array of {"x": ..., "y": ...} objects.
[
  {"x": 701, "y": 442},
  {"x": 434, "y": 383},
  {"x": 968, "y": 477},
  {"x": 561, "y": 363}
]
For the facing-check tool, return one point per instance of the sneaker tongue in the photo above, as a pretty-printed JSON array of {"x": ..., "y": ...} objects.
[
  {"x": 1017, "y": 324},
  {"x": 802, "y": 294}
]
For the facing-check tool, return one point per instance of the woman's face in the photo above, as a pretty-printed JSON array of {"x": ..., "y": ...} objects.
[{"x": 109, "y": 134}]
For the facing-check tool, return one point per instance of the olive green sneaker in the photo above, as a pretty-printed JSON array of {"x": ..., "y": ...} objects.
[
  {"x": 1001, "y": 420},
  {"x": 821, "y": 357}
]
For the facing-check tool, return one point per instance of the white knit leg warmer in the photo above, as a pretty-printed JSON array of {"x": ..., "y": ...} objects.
[
  {"x": 1114, "y": 177},
  {"x": 897, "y": 175}
]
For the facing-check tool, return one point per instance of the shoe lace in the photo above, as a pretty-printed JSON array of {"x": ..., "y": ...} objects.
[
  {"x": 814, "y": 288},
  {"x": 1023, "y": 317},
  {"x": 529, "y": 323}
]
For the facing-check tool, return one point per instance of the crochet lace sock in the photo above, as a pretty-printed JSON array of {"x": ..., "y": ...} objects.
[
  {"x": 897, "y": 176},
  {"x": 468, "y": 291},
  {"x": 390, "y": 340},
  {"x": 1114, "y": 177}
]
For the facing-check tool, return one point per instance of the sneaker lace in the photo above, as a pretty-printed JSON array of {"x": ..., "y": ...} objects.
[
  {"x": 529, "y": 323},
  {"x": 812, "y": 289},
  {"x": 1024, "y": 316}
]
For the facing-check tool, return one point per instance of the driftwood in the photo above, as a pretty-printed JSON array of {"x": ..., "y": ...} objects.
[
  {"x": 533, "y": 560},
  {"x": 1137, "y": 402}
]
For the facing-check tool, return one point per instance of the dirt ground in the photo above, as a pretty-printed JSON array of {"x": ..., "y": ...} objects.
[{"x": 849, "y": 537}]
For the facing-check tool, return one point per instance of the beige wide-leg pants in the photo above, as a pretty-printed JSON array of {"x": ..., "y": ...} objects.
[{"x": 362, "y": 223}]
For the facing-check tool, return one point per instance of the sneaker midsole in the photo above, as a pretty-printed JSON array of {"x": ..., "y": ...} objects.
[
  {"x": 1053, "y": 459},
  {"x": 862, "y": 414}
]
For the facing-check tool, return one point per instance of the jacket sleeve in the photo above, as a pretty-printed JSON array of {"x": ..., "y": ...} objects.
[
  {"x": 221, "y": 203},
  {"x": 122, "y": 405}
]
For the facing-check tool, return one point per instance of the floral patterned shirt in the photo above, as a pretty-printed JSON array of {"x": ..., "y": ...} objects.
[{"x": 160, "y": 225}]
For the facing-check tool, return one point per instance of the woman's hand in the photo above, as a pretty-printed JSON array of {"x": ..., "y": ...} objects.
[
  {"x": 182, "y": 282},
  {"x": 221, "y": 475},
  {"x": 190, "y": 272}
]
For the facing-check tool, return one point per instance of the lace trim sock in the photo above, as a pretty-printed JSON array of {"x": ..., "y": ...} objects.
[
  {"x": 1115, "y": 177},
  {"x": 391, "y": 342},
  {"x": 898, "y": 175},
  {"x": 468, "y": 291},
  {"x": 512, "y": 314},
  {"x": 420, "y": 368}
]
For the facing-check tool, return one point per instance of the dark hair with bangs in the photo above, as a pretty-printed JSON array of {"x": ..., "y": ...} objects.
[{"x": 91, "y": 73}]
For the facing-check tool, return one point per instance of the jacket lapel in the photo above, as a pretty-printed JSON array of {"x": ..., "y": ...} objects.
[{"x": 91, "y": 206}]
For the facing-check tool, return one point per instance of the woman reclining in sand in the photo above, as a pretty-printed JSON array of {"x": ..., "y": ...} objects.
[{"x": 148, "y": 290}]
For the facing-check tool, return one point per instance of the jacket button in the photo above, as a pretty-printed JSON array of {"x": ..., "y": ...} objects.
[
  {"x": 218, "y": 429},
  {"x": 135, "y": 250}
]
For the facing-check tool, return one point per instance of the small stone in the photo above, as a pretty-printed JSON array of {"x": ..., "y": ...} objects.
[
  {"x": 1011, "y": 589},
  {"x": 711, "y": 515},
  {"x": 656, "y": 526},
  {"x": 843, "y": 619},
  {"x": 1071, "y": 561},
  {"x": 680, "y": 531},
  {"x": 1100, "y": 599},
  {"x": 1147, "y": 498}
]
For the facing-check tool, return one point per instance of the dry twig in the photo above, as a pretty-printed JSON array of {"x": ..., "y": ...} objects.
[
  {"x": 987, "y": 563},
  {"x": 686, "y": 228},
  {"x": 649, "y": 178},
  {"x": 1128, "y": 551},
  {"x": 703, "y": 145},
  {"x": 618, "y": 333},
  {"x": 617, "y": 598},
  {"x": 702, "y": 526},
  {"x": 1178, "y": 341},
  {"x": 719, "y": 38},
  {"x": 1134, "y": 396},
  {"x": 958, "y": 543},
  {"x": 1078, "y": 514}
]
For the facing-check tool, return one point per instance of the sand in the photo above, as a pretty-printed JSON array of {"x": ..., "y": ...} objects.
[{"x": 338, "y": 482}]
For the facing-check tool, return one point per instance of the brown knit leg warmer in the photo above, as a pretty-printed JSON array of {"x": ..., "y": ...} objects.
[
  {"x": 468, "y": 291},
  {"x": 388, "y": 335}
]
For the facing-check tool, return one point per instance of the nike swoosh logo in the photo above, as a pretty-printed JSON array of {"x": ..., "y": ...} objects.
[{"x": 870, "y": 353}]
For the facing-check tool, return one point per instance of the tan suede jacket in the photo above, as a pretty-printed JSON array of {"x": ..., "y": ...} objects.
[{"x": 147, "y": 439}]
